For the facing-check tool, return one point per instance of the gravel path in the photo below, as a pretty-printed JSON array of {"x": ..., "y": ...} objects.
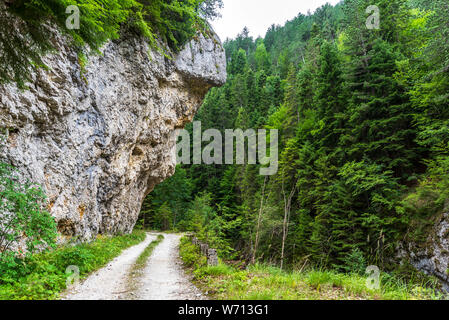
[
  {"x": 164, "y": 278},
  {"x": 109, "y": 283}
]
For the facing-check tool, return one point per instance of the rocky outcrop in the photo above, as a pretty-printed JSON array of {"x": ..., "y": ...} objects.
[
  {"x": 100, "y": 138},
  {"x": 431, "y": 255}
]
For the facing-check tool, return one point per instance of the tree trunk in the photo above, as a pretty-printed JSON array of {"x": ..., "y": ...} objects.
[
  {"x": 259, "y": 220},
  {"x": 285, "y": 225}
]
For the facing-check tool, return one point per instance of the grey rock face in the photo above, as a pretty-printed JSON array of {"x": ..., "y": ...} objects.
[
  {"x": 99, "y": 140},
  {"x": 198, "y": 60},
  {"x": 431, "y": 257}
]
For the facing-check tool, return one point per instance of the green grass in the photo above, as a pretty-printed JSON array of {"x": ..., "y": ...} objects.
[
  {"x": 44, "y": 276},
  {"x": 262, "y": 282}
]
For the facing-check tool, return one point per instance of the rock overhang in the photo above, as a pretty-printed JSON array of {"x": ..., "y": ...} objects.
[{"x": 99, "y": 138}]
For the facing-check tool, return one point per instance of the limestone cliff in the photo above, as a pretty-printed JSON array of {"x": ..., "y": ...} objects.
[
  {"x": 430, "y": 254},
  {"x": 100, "y": 138}
]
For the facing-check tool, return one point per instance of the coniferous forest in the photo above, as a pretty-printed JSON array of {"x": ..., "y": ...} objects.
[
  {"x": 358, "y": 208},
  {"x": 363, "y": 120}
]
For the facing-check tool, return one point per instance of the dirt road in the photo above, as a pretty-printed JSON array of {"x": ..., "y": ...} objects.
[{"x": 162, "y": 279}]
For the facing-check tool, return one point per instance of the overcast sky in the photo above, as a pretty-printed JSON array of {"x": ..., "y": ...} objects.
[{"x": 259, "y": 15}]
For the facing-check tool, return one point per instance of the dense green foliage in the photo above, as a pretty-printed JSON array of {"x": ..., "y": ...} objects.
[
  {"x": 363, "y": 119},
  {"x": 43, "y": 276},
  {"x": 172, "y": 21},
  {"x": 24, "y": 226}
]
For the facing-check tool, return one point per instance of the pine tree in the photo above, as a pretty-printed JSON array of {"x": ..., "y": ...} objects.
[
  {"x": 261, "y": 58},
  {"x": 238, "y": 62},
  {"x": 330, "y": 97},
  {"x": 380, "y": 114}
]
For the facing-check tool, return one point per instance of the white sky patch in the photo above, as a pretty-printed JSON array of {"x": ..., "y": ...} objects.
[{"x": 259, "y": 15}]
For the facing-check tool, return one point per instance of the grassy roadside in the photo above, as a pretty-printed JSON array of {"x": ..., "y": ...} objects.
[
  {"x": 45, "y": 275},
  {"x": 260, "y": 282}
]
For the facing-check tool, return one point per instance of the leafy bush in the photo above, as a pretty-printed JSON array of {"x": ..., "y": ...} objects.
[
  {"x": 22, "y": 221},
  {"x": 190, "y": 254}
]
